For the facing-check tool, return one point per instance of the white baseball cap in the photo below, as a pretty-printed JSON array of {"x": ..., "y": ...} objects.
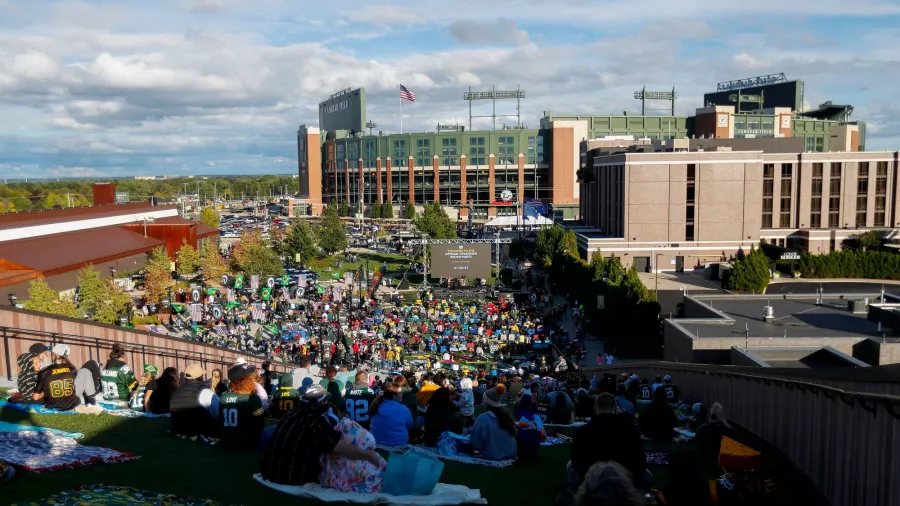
[
  {"x": 61, "y": 350},
  {"x": 240, "y": 361}
]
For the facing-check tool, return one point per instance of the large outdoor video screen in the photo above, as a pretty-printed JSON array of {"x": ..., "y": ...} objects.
[{"x": 461, "y": 260}]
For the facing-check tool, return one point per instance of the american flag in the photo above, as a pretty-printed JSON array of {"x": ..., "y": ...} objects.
[
  {"x": 405, "y": 94},
  {"x": 196, "y": 312},
  {"x": 257, "y": 311}
]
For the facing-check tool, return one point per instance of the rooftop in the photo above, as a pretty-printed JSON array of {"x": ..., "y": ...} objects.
[
  {"x": 794, "y": 317},
  {"x": 49, "y": 216}
]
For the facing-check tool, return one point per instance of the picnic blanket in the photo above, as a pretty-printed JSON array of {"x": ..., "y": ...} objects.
[
  {"x": 96, "y": 495},
  {"x": 108, "y": 408},
  {"x": 434, "y": 452},
  {"x": 15, "y": 427},
  {"x": 565, "y": 426},
  {"x": 45, "y": 451},
  {"x": 443, "y": 494},
  {"x": 552, "y": 440}
]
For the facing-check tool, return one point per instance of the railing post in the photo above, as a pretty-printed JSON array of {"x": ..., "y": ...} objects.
[
  {"x": 6, "y": 350},
  {"x": 144, "y": 355},
  {"x": 97, "y": 343}
]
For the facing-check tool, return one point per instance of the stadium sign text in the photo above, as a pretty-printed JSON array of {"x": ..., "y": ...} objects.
[
  {"x": 340, "y": 106},
  {"x": 493, "y": 95},
  {"x": 340, "y": 93},
  {"x": 654, "y": 95}
]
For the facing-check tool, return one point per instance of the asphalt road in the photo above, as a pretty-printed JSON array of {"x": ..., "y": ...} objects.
[{"x": 831, "y": 287}]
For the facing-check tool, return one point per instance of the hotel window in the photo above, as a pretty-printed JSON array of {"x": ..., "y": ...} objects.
[
  {"x": 820, "y": 144},
  {"x": 786, "y": 182},
  {"x": 881, "y": 173},
  {"x": 423, "y": 152},
  {"x": 690, "y": 198},
  {"x": 834, "y": 196},
  {"x": 862, "y": 194},
  {"x": 399, "y": 150},
  {"x": 815, "y": 219},
  {"x": 340, "y": 155},
  {"x": 768, "y": 191}
]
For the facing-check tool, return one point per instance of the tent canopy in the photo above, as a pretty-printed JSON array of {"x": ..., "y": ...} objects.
[{"x": 514, "y": 221}]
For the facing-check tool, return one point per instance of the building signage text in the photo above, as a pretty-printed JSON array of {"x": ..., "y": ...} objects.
[{"x": 340, "y": 106}]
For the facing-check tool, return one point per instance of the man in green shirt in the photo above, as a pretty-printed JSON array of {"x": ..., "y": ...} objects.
[
  {"x": 285, "y": 397},
  {"x": 333, "y": 386},
  {"x": 137, "y": 401},
  {"x": 241, "y": 413},
  {"x": 358, "y": 400},
  {"x": 117, "y": 379}
]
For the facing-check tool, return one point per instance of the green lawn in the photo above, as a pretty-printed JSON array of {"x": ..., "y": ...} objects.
[
  {"x": 190, "y": 469},
  {"x": 395, "y": 263}
]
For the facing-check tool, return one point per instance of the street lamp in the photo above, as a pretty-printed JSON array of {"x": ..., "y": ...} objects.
[
  {"x": 113, "y": 271},
  {"x": 12, "y": 299}
]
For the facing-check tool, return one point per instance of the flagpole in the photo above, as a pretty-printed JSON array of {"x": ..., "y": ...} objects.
[{"x": 401, "y": 114}]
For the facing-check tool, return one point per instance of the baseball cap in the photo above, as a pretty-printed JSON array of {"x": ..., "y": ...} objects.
[
  {"x": 194, "y": 371},
  {"x": 240, "y": 371},
  {"x": 240, "y": 360},
  {"x": 315, "y": 393},
  {"x": 61, "y": 350},
  {"x": 667, "y": 378},
  {"x": 492, "y": 398},
  {"x": 286, "y": 380},
  {"x": 38, "y": 348}
]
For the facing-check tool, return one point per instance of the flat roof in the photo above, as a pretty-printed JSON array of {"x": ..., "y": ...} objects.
[
  {"x": 795, "y": 317},
  {"x": 63, "y": 215},
  {"x": 57, "y": 253}
]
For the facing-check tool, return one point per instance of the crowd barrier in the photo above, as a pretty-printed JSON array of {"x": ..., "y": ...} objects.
[{"x": 846, "y": 441}]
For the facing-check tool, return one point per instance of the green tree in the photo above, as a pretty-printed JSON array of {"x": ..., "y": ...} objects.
[
  {"x": 376, "y": 210},
  {"x": 212, "y": 265},
  {"x": 209, "y": 217},
  {"x": 188, "y": 260},
  {"x": 750, "y": 273},
  {"x": 91, "y": 290},
  {"x": 332, "y": 235},
  {"x": 870, "y": 240},
  {"x": 387, "y": 211},
  {"x": 569, "y": 245},
  {"x": 44, "y": 299},
  {"x": 157, "y": 276},
  {"x": 52, "y": 201},
  {"x": 300, "y": 243},
  {"x": 345, "y": 208},
  {"x": 252, "y": 255},
  {"x": 7, "y": 206},
  {"x": 410, "y": 210},
  {"x": 547, "y": 246},
  {"x": 435, "y": 222},
  {"x": 111, "y": 305}
]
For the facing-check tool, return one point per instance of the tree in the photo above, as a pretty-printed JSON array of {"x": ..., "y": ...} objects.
[
  {"x": 91, "y": 290},
  {"x": 158, "y": 276},
  {"x": 387, "y": 211},
  {"x": 345, "y": 208},
  {"x": 332, "y": 235},
  {"x": 252, "y": 255},
  {"x": 212, "y": 265},
  {"x": 547, "y": 245},
  {"x": 300, "y": 243},
  {"x": 111, "y": 304},
  {"x": 52, "y": 201},
  {"x": 209, "y": 217},
  {"x": 870, "y": 240},
  {"x": 435, "y": 222},
  {"x": 750, "y": 273},
  {"x": 410, "y": 210},
  {"x": 44, "y": 299},
  {"x": 7, "y": 206},
  {"x": 188, "y": 260},
  {"x": 376, "y": 210},
  {"x": 569, "y": 244}
]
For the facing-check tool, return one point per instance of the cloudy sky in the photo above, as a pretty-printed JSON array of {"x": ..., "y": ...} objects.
[{"x": 117, "y": 88}]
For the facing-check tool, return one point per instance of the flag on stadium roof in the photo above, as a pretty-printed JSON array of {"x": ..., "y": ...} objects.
[{"x": 405, "y": 94}]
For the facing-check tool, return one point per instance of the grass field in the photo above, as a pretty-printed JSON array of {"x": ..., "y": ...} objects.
[
  {"x": 395, "y": 263},
  {"x": 191, "y": 469}
]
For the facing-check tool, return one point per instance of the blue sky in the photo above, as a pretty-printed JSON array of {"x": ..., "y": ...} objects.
[{"x": 103, "y": 88}]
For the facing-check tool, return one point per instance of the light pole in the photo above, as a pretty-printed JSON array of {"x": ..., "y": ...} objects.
[
  {"x": 150, "y": 220},
  {"x": 656, "y": 276}
]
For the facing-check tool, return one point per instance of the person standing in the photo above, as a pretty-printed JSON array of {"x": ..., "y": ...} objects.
[{"x": 358, "y": 401}]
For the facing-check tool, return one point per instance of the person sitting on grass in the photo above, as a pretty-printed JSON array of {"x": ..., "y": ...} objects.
[
  {"x": 117, "y": 378},
  {"x": 709, "y": 435},
  {"x": 391, "y": 420},
  {"x": 194, "y": 407},
  {"x": 87, "y": 383},
  {"x": 560, "y": 412},
  {"x": 494, "y": 434},
  {"x": 608, "y": 484},
  {"x": 442, "y": 416},
  {"x": 241, "y": 413},
  {"x": 285, "y": 397},
  {"x": 137, "y": 400},
  {"x": 30, "y": 364},
  {"x": 657, "y": 421},
  {"x": 607, "y": 436},
  {"x": 302, "y": 437},
  {"x": 160, "y": 391},
  {"x": 56, "y": 382}
]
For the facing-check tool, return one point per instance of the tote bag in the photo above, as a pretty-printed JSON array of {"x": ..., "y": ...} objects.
[{"x": 411, "y": 473}]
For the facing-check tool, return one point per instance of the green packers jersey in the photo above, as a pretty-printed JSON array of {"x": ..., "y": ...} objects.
[
  {"x": 137, "y": 402},
  {"x": 357, "y": 403},
  {"x": 241, "y": 417},
  {"x": 117, "y": 380},
  {"x": 284, "y": 400}
]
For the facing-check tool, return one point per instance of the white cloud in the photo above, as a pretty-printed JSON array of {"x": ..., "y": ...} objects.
[{"x": 148, "y": 88}]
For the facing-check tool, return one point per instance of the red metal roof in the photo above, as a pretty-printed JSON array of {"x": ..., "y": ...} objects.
[
  {"x": 57, "y": 253},
  {"x": 49, "y": 216}
]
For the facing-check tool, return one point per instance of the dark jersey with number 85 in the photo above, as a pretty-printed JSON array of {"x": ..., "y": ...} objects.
[{"x": 57, "y": 382}]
